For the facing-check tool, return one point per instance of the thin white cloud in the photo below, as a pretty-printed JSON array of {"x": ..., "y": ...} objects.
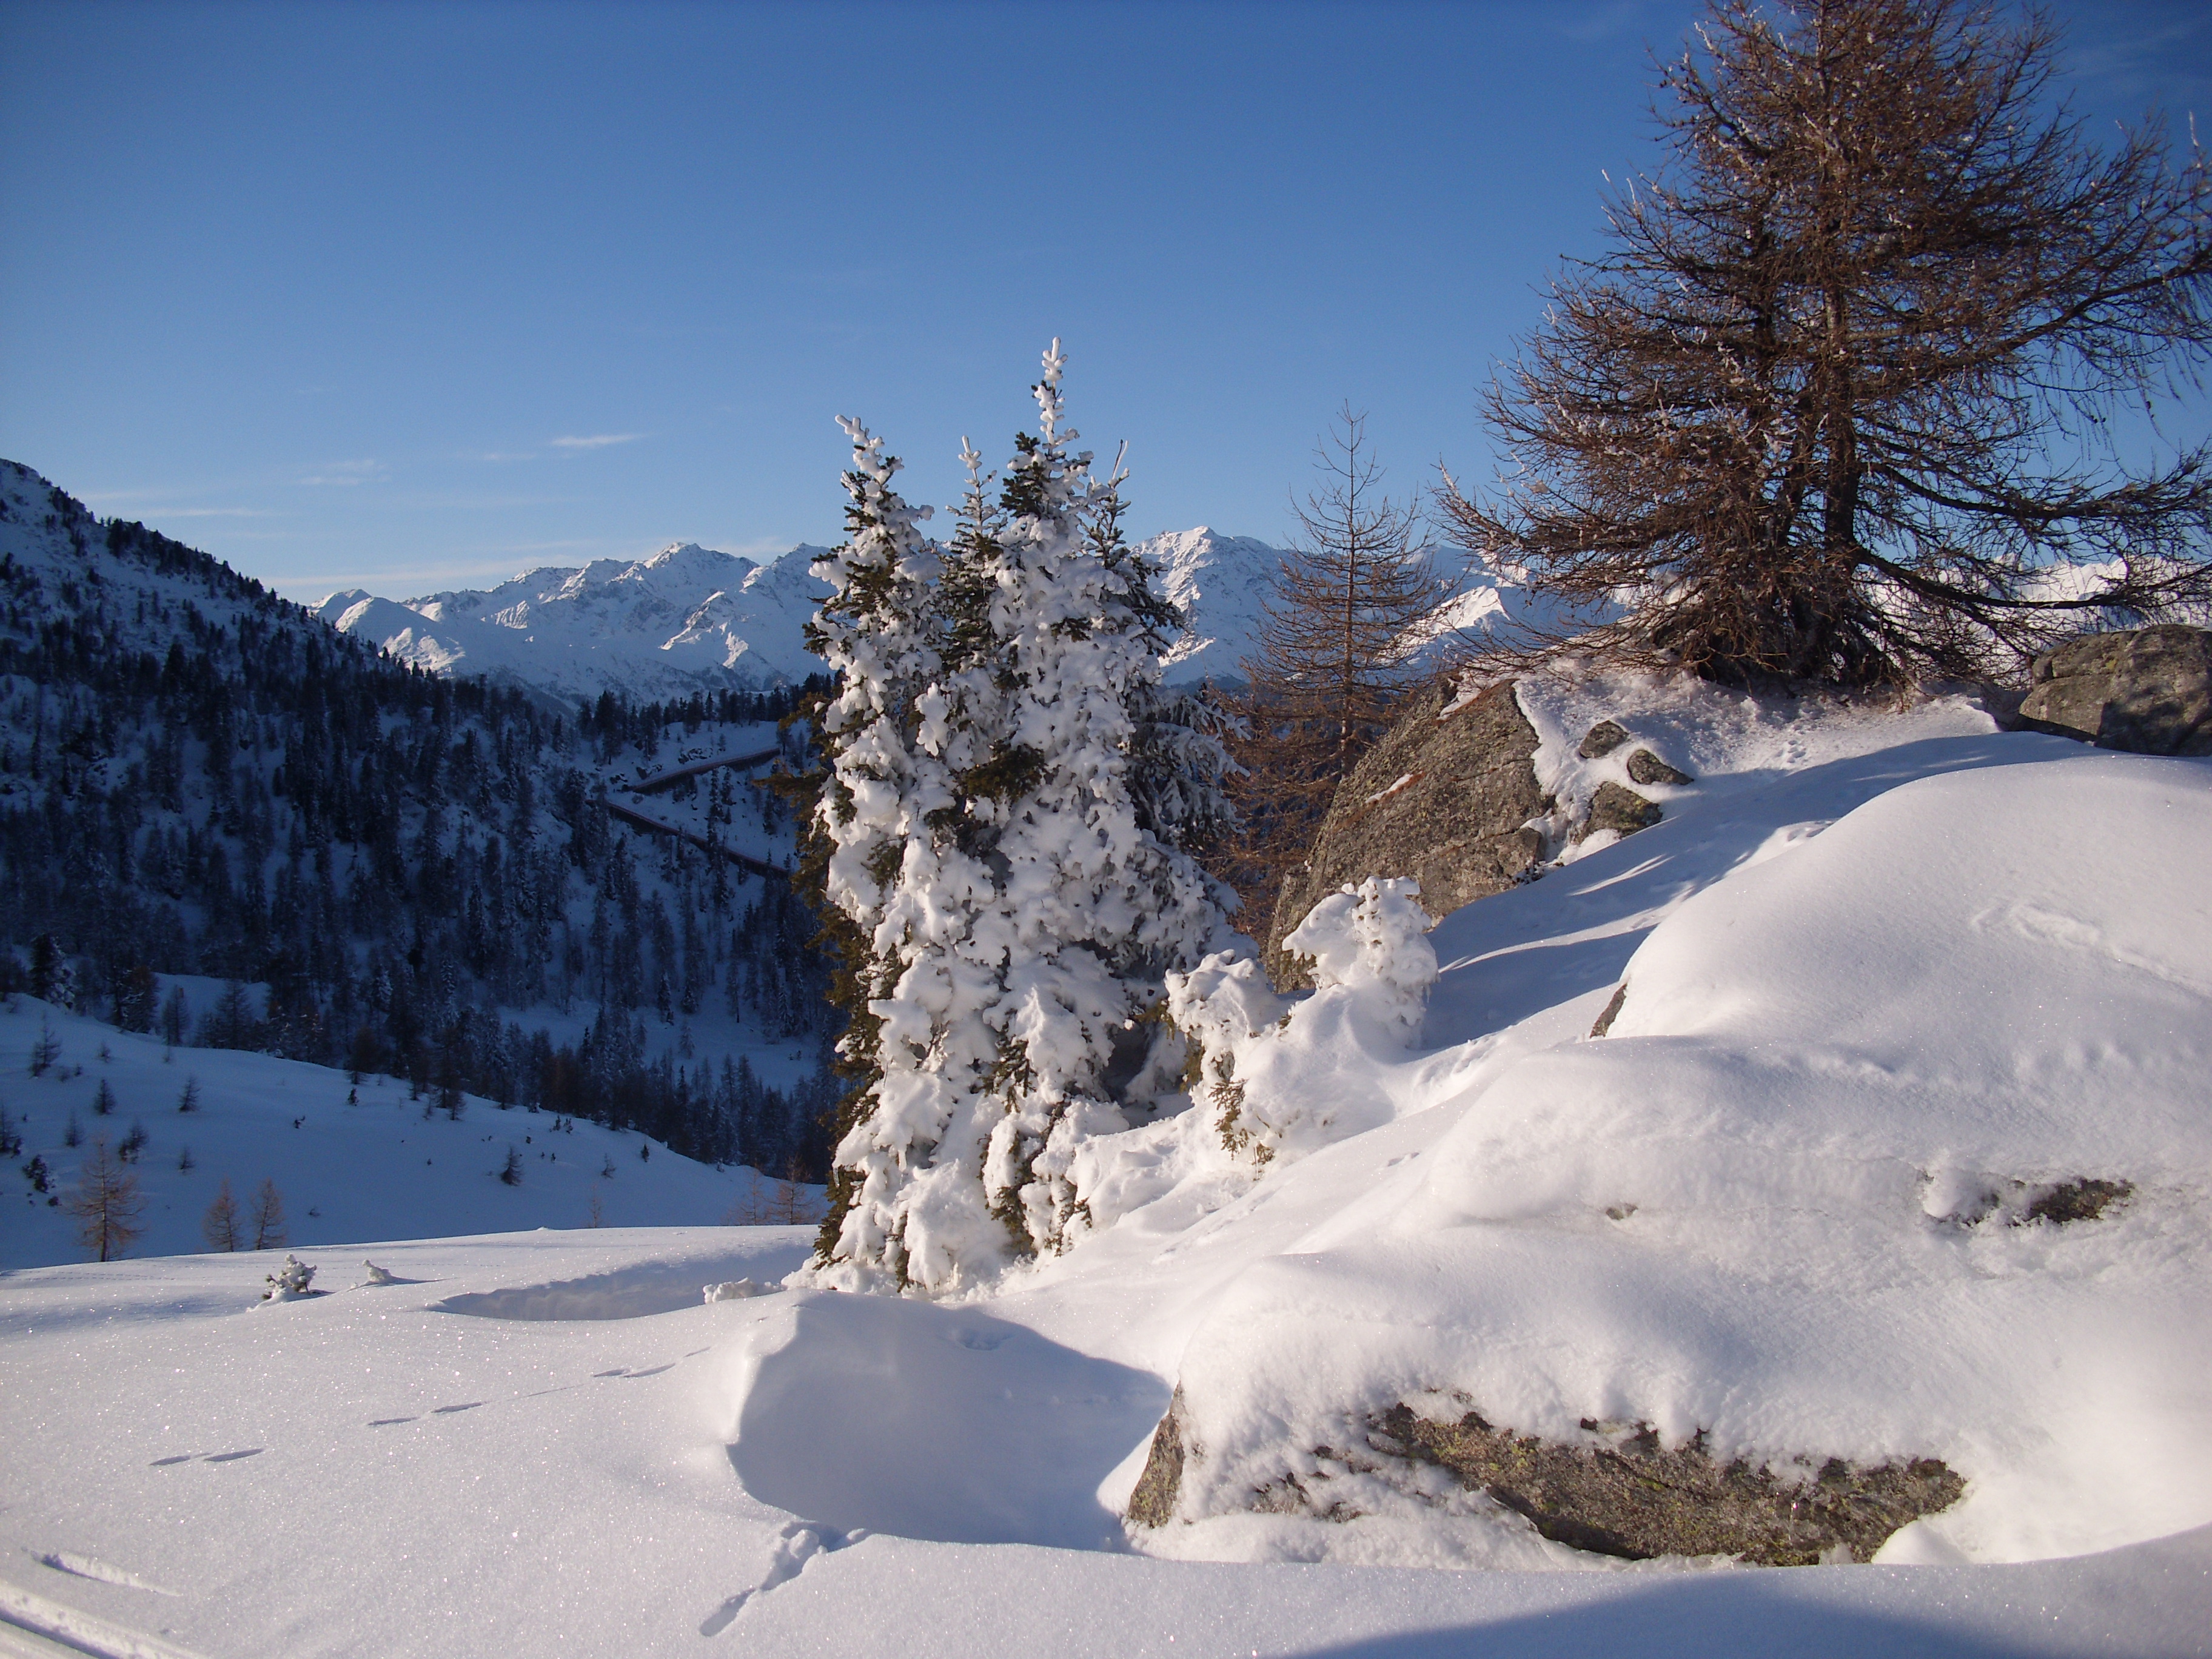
[
  {"x": 597, "y": 441},
  {"x": 159, "y": 509},
  {"x": 347, "y": 473}
]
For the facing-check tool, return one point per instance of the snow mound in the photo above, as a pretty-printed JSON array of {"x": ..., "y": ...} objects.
[
  {"x": 844, "y": 1420},
  {"x": 1895, "y": 1149}
]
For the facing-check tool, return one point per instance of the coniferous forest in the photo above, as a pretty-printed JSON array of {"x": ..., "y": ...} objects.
[{"x": 198, "y": 778}]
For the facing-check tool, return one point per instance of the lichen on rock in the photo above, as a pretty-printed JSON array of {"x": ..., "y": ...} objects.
[
  {"x": 1617, "y": 807},
  {"x": 1621, "y": 1493},
  {"x": 1616, "y": 1491}
]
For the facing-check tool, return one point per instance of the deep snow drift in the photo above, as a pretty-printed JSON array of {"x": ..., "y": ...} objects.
[{"x": 1880, "y": 966}]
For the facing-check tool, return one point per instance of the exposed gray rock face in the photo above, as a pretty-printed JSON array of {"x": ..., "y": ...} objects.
[
  {"x": 1645, "y": 767},
  {"x": 1153, "y": 1501},
  {"x": 1618, "y": 1492},
  {"x": 1620, "y": 809},
  {"x": 1611, "y": 1012},
  {"x": 1444, "y": 799},
  {"x": 2147, "y": 690}
]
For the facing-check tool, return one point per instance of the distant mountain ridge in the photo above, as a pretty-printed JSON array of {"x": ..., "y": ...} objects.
[
  {"x": 690, "y": 618},
  {"x": 685, "y": 619}
]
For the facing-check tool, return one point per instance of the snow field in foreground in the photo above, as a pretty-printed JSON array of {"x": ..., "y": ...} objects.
[
  {"x": 369, "y": 1472},
  {"x": 1778, "y": 1206},
  {"x": 1994, "y": 973}
]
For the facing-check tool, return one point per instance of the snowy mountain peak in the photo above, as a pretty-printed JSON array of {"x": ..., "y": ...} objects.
[{"x": 1220, "y": 583}]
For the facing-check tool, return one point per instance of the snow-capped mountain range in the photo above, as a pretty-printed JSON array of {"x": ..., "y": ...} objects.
[
  {"x": 684, "y": 619},
  {"x": 688, "y": 617}
]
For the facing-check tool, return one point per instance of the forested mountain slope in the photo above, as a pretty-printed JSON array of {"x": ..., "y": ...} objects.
[{"x": 401, "y": 872}]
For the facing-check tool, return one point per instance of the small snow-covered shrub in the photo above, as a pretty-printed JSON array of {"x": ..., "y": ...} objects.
[
  {"x": 1370, "y": 941},
  {"x": 1373, "y": 968},
  {"x": 289, "y": 1282},
  {"x": 1223, "y": 1004}
]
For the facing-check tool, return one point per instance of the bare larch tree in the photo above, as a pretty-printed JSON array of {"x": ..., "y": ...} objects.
[
  {"x": 1336, "y": 650},
  {"x": 1839, "y": 403},
  {"x": 105, "y": 1204}
]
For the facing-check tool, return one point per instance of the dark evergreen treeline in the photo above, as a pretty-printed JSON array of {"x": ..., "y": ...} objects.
[{"x": 197, "y": 777}]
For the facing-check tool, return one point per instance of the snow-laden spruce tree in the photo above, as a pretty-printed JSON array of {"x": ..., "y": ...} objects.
[
  {"x": 880, "y": 630},
  {"x": 1036, "y": 907}
]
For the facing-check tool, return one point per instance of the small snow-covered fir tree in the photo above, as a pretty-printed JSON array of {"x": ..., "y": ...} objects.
[
  {"x": 1095, "y": 908},
  {"x": 1033, "y": 912}
]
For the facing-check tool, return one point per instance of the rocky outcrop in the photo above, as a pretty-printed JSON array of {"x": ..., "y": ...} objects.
[
  {"x": 1153, "y": 1501},
  {"x": 1445, "y": 798},
  {"x": 1617, "y": 1492},
  {"x": 1620, "y": 1493},
  {"x": 2147, "y": 690},
  {"x": 1602, "y": 739}
]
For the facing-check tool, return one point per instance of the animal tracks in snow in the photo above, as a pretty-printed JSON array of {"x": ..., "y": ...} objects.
[
  {"x": 207, "y": 1458},
  {"x": 619, "y": 1373},
  {"x": 798, "y": 1544},
  {"x": 87, "y": 1567}
]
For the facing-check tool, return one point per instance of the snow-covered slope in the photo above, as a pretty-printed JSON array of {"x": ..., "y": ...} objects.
[
  {"x": 1220, "y": 583},
  {"x": 199, "y": 781},
  {"x": 400, "y": 1470},
  {"x": 349, "y": 1162},
  {"x": 1223, "y": 583},
  {"x": 1882, "y": 965}
]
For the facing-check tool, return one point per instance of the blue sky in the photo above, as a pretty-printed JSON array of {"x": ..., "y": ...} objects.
[{"x": 402, "y": 297}]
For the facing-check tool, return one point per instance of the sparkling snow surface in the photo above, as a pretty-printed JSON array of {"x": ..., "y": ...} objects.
[{"x": 1880, "y": 964}]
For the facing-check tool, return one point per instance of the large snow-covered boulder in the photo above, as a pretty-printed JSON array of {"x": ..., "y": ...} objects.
[{"x": 1889, "y": 1177}]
